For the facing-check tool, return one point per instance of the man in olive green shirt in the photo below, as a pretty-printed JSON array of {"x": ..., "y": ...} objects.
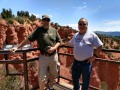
[{"x": 48, "y": 40}]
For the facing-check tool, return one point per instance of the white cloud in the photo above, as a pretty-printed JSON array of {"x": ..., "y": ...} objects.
[
  {"x": 40, "y": 15},
  {"x": 74, "y": 26},
  {"x": 51, "y": 16},
  {"x": 106, "y": 25},
  {"x": 80, "y": 11},
  {"x": 37, "y": 15},
  {"x": 82, "y": 7},
  {"x": 111, "y": 22},
  {"x": 105, "y": 29}
]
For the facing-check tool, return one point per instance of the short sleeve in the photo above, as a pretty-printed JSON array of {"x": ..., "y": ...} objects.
[
  {"x": 58, "y": 38},
  {"x": 71, "y": 42},
  {"x": 96, "y": 41},
  {"x": 33, "y": 35}
]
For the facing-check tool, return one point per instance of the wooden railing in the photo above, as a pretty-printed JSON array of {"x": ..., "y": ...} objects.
[{"x": 25, "y": 61}]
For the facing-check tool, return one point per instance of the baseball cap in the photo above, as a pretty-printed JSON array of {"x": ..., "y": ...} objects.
[{"x": 45, "y": 17}]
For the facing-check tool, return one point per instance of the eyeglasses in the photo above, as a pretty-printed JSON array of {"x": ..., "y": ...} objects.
[
  {"x": 82, "y": 24},
  {"x": 46, "y": 19}
]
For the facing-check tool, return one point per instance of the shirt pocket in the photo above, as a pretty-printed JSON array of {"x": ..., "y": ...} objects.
[{"x": 52, "y": 37}]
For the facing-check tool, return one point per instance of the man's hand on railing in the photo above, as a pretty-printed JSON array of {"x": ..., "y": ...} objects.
[
  {"x": 13, "y": 49},
  {"x": 65, "y": 44}
]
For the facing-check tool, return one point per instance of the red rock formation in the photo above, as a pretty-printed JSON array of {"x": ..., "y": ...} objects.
[
  {"x": 11, "y": 35},
  {"x": 62, "y": 33},
  {"x": 14, "y": 35},
  {"x": 23, "y": 33},
  {"x": 37, "y": 23},
  {"x": 95, "y": 81},
  {"x": 3, "y": 28},
  {"x": 69, "y": 59}
]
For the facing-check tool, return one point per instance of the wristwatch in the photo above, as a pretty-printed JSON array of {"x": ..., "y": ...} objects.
[{"x": 95, "y": 55}]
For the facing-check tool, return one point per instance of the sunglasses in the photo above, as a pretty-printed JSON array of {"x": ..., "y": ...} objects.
[
  {"x": 82, "y": 24},
  {"x": 46, "y": 19}
]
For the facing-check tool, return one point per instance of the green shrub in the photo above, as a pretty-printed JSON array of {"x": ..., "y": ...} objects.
[
  {"x": 117, "y": 47},
  {"x": 106, "y": 47},
  {"x": 20, "y": 20},
  {"x": 8, "y": 82},
  {"x": 10, "y": 20},
  {"x": 104, "y": 86}
]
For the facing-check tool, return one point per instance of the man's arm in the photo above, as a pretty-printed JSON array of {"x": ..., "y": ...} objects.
[
  {"x": 66, "y": 44},
  {"x": 24, "y": 42},
  {"x": 96, "y": 53},
  {"x": 52, "y": 49},
  {"x": 57, "y": 45}
]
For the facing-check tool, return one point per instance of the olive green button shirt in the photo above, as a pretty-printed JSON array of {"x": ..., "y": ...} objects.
[{"x": 45, "y": 37}]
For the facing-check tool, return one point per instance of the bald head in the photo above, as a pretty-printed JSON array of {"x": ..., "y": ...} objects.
[
  {"x": 83, "y": 19},
  {"x": 82, "y": 25}
]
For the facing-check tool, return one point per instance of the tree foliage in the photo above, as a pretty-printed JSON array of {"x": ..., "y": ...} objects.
[
  {"x": 6, "y": 13},
  {"x": 23, "y": 14},
  {"x": 33, "y": 17}
]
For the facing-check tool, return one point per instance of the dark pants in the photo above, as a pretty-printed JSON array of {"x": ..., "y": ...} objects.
[{"x": 78, "y": 68}]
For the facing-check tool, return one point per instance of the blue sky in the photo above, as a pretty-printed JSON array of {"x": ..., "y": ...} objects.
[{"x": 102, "y": 15}]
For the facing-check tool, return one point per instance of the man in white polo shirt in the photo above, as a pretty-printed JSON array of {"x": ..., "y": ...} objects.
[{"x": 84, "y": 43}]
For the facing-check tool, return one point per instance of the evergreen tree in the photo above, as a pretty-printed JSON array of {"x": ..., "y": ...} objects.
[
  {"x": 32, "y": 17},
  {"x": 6, "y": 13},
  {"x": 26, "y": 14},
  {"x": 18, "y": 13}
]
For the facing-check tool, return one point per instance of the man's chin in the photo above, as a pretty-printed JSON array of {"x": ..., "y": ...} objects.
[{"x": 46, "y": 27}]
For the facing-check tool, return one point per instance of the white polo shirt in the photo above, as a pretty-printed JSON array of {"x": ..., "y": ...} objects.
[{"x": 84, "y": 45}]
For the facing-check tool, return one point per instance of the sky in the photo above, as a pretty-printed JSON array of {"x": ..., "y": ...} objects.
[{"x": 102, "y": 15}]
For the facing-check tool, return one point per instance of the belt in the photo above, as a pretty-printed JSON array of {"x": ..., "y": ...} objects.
[
  {"x": 48, "y": 54},
  {"x": 81, "y": 61}
]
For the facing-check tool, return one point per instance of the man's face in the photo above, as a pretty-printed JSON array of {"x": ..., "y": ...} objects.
[
  {"x": 83, "y": 25},
  {"x": 45, "y": 23}
]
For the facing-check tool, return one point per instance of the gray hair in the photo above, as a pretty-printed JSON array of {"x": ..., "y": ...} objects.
[{"x": 83, "y": 19}]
